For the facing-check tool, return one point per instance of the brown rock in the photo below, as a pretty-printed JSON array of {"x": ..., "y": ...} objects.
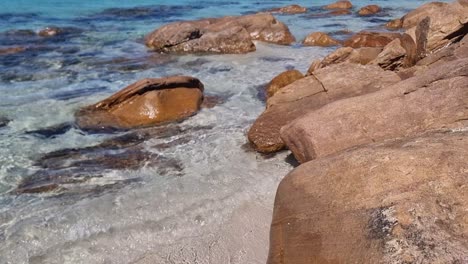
[
  {"x": 339, "y": 12},
  {"x": 370, "y": 39},
  {"x": 394, "y": 24},
  {"x": 414, "y": 17},
  {"x": 11, "y": 50},
  {"x": 290, "y": 9},
  {"x": 219, "y": 35},
  {"x": 391, "y": 57},
  {"x": 144, "y": 103},
  {"x": 435, "y": 99},
  {"x": 50, "y": 31},
  {"x": 282, "y": 80},
  {"x": 403, "y": 201},
  {"x": 344, "y": 4},
  {"x": 324, "y": 86},
  {"x": 320, "y": 39},
  {"x": 369, "y": 10}
]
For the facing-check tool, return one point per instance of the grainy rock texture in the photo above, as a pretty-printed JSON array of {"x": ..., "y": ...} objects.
[
  {"x": 403, "y": 201},
  {"x": 320, "y": 39},
  {"x": 282, "y": 80},
  {"x": 370, "y": 39},
  {"x": 344, "y": 4},
  {"x": 369, "y": 10}
]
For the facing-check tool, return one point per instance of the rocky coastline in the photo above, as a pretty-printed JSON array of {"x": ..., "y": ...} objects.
[{"x": 378, "y": 127}]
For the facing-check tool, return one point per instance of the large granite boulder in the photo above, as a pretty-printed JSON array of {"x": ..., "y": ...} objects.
[
  {"x": 219, "y": 35},
  {"x": 403, "y": 201},
  {"x": 370, "y": 39},
  {"x": 304, "y": 95},
  {"x": 438, "y": 98},
  {"x": 144, "y": 103},
  {"x": 320, "y": 39}
]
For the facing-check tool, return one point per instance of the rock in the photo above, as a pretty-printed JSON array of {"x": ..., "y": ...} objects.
[
  {"x": 324, "y": 86},
  {"x": 346, "y": 54},
  {"x": 320, "y": 39},
  {"x": 290, "y": 9},
  {"x": 391, "y": 57},
  {"x": 11, "y": 50},
  {"x": 50, "y": 32},
  {"x": 435, "y": 99},
  {"x": 219, "y": 35},
  {"x": 403, "y": 201},
  {"x": 370, "y": 39},
  {"x": 394, "y": 24},
  {"x": 4, "y": 121},
  {"x": 282, "y": 80},
  {"x": 369, "y": 10},
  {"x": 429, "y": 9},
  {"x": 144, "y": 103},
  {"x": 340, "y": 5}
]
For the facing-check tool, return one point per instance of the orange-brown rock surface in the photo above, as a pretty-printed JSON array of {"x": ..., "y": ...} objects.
[
  {"x": 144, "y": 103},
  {"x": 290, "y": 9},
  {"x": 219, "y": 35},
  {"x": 370, "y": 39},
  {"x": 304, "y": 95},
  {"x": 320, "y": 39},
  {"x": 369, "y": 10},
  {"x": 402, "y": 201},
  {"x": 282, "y": 80},
  {"x": 344, "y": 4}
]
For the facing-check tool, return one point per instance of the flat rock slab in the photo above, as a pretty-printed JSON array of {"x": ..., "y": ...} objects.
[{"x": 400, "y": 202}]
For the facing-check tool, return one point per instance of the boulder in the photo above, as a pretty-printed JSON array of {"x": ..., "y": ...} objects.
[
  {"x": 369, "y": 10},
  {"x": 304, "y": 95},
  {"x": 403, "y": 201},
  {"x": 219, "y": 35},
  {"x": 4, "y": 121},
  {"x": 320, "y": 39},
  {"x": 50, "y": 32},
  {"x": 147, "y": 102},
  {"x": 346, "y": 54},
  {"x": 391, "y": 57},
  {"x": 344, "y": 4},
  {"x": 438, "y": 98},
  {"x": 370, "y": 39},
  {"x": 282, "y": 80},
  {"x": 290, "y": 9},
  {"x": 394, "y": 24},
  {"x": 429, "y": 9}
]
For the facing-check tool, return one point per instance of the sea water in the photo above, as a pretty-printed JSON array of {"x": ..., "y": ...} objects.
[{"x": 213, "y": 202}]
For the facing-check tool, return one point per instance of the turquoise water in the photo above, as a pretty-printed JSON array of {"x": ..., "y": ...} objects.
[{"x": 208, "y": 199}]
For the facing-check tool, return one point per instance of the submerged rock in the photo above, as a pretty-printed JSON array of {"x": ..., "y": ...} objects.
[
  {"x": 320, "y": 39},
  {"x": 219, "y": 35},
  {"x": 344, "y": 4},
  {"x": 4, "y": 121},
  {"x": 403, "y": 201},
  {"x": 11, "y": 50},
  {"x": 144, "y": 103}
]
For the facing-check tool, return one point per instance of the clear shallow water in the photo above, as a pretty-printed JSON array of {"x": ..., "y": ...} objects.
[{"x": 208, "y": 200}]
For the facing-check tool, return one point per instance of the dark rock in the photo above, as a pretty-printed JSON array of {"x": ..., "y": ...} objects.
[
  {"x": 51, "y": 132},
  {"x": 4, "y": 121}
]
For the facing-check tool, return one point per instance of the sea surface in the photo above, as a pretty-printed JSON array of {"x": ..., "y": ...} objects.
[{"x": 191, "y": 192}]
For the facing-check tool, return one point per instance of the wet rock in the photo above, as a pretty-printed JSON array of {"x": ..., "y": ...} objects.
[
  {"x": 290, "y": 9},
  {"x": 402, "y": 201},
  {"x": 144, "y": 103},
  {"x": 320, "y": 39},
  {"x": 51, "y": 132},
  {"x": 282, "y": 80},
  {"x": 210, "y": 101},
  {"x": 433, "y": 100},
  {"x": 370, "y": 39},
  {"x": 4, "y": 121},
  {"x": 324, "y": 86},
  {"x": 340, "y": 5},
  {"x": 369, "y": 10},
  {"x": 219, "y": 35},
  {"x": 11, "y": 50},
  {"x": 50, "y": 32}
]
